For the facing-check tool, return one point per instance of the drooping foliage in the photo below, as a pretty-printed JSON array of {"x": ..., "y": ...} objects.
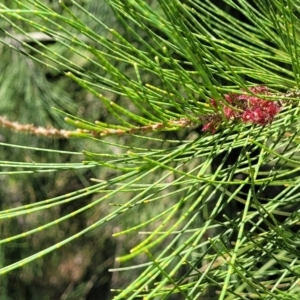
[{"x": 180, "y": 138}]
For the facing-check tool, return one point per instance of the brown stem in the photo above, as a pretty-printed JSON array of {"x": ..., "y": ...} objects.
[{"x": 31, "y": 129}]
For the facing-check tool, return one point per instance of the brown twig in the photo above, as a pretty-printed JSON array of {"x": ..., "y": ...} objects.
[{"x": 31, "y": 129}]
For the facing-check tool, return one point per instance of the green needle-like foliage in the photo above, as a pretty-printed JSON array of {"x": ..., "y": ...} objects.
[{"x": 210, "y": 196}]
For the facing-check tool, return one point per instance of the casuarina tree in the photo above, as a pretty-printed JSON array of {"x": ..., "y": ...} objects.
[{"x": 157, "y": 142}]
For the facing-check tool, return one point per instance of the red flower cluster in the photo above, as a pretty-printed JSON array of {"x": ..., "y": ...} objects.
[{"x": 245, "y": 108}]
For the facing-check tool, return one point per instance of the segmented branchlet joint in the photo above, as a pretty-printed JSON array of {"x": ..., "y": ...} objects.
[
  {"x": 247, "y": 108},
  {"x": 170, "y": 125}
]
